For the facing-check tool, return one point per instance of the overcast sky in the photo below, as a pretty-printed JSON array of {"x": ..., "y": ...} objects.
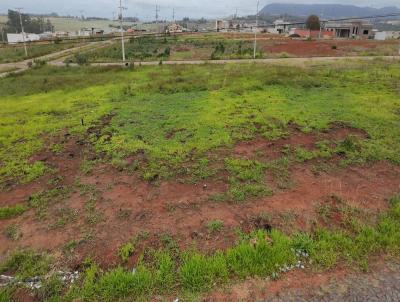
[{"x": 145, "y": 9}]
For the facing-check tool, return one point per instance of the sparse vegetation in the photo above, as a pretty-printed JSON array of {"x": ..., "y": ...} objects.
[
  {"x": 26, "y": 264},
  {"x": 11, "y": 212},
  {"x": 246, "y": 179},
  {"x": 15, "y": 53},
  {"x": 253, "y": 256},
  {"x": 126, "y": 251},
  {"x": 12, "y": 232},
  {"x": 314, "y": 89},
  {"x": 190, "y": 128},
  {"x": 214, "y": 226}
]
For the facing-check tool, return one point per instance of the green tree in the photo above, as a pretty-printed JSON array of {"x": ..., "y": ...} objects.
[
  {"x": 313, "y": 23},
  {"x": 31, "y": 25}
]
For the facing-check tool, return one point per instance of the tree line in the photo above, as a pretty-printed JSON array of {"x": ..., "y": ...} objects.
[{"x": 34, "y": 25}]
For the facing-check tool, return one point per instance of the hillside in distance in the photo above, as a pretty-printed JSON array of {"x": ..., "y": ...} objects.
[{"x": 326, "y": 10}]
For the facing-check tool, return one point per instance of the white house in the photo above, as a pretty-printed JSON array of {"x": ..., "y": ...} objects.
[
  {"x": 18, "y": 38},
  {"x": 280, "y": 27},
  {"x": 387, "y": 35}
]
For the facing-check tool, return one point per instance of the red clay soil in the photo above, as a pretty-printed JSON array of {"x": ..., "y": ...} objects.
[
  {"x": 302, "y": 48},
  {"x": 126, "y": 206},
  {"x": 273, "y": 149},
  {"x": 259, "y": 289},
  {"x": 297, "y": 280},
  {"x": 66, "y": 162}
]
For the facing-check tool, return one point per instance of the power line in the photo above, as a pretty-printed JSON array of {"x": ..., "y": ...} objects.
[
  {"x": 255, "y": 31},
  {"x": 228, "y": 28},
  {"x": 82, "y": 15},
  {"x": 22, "y": 29},
  {"x": 121, "y": 8},
  {"x": 157, "y": 11}
]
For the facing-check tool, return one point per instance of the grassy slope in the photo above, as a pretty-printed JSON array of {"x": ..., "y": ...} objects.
[
  {"x": 176, "y": 114},
  {"x": 15, "y": 53},
  {"x": 203, "y": 107}
]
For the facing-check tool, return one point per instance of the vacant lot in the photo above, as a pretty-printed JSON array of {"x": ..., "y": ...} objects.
[
  {"x": 16, "y": 53},
  {"x": 170, "y": 180},
  {"x": 237, "y": 46}
]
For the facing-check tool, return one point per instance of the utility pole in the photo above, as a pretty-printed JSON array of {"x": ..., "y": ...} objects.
[
  {"x": 157, "y": 10},
  {"x": 320, "y": 30},
  {"x": 3, "y": 40},
  {"x": 320, "y": 26},
  {"x": 121, "y": 8},
  {"x": 22, "y": 30},
  {"x": 235, "y": 24},
  {"x": 82, "y": 15},
  {"x": 255, "y": 32}
]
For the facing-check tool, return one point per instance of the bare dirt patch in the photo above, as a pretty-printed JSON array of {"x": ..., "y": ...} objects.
[
  {"x": 110, "y": 207},
  {"x": 272, "y": 149},
  {"x": 340, "y": 284},
  {"x": 65, "y": 165},
  {"x": 302, "y": 48},
  {"x": 183, "y": 210}
]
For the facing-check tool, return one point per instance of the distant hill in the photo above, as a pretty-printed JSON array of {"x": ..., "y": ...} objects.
[{"x": 326, "y": 10}]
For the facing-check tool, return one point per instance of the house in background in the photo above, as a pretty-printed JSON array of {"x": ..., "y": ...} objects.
[
  {"x": 221, "y": 25},
  {"x": 353, "y": 29},
  {"x": 18, "y": 38},
  {"x": 280, "y": 27},
  {"x": 387, "y": 35},
  {"x": 87, "y": 32},
  {"x": 306, "y": 33},
  {"x": 175, "y": 29}
]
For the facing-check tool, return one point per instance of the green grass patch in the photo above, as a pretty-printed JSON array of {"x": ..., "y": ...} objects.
[
  {"x": 214, "y": 226},
  {"x": 41, "y": 201},
  {"x": 26, "y": 264},
  {"x": 15, "y": 53},
  {"x": 125, "y": 251},
  {"x": 12, "y": 212},
  {"x": 246, "y": 179},
  {"x": 170, "y": 118}
]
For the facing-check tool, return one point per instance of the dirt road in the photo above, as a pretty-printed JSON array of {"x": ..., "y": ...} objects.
[
  {"x": 381, "y": 284},
  {"x": 288, "y": 61},
  {"x": 56, "y": 57}
]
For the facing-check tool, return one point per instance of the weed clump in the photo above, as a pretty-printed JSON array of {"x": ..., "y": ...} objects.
[
  {"x": 126, "y": 251},
  {"x": 26, "y": 264},
  {"x": 11, "y": 212},
  {"x": 246, "y": 179},
  {"x": 214, "y": 226}
]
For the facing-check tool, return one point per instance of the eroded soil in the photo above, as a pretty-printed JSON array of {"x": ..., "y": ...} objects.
[
  {"x": 99, "y": 212},
  {"x": 380, "y": 283}
]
